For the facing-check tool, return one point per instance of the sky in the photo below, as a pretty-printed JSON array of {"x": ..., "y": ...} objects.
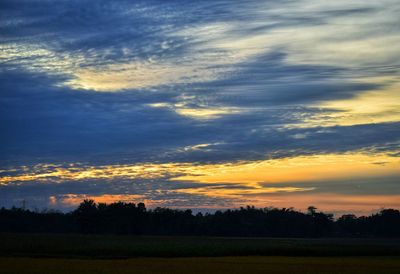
[{"x": 200, "y": 104}]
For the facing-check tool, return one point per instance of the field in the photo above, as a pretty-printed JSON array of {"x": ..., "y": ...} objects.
[
  {"x": 23, "y": 253},
  {"x": 248, "y": 265}
]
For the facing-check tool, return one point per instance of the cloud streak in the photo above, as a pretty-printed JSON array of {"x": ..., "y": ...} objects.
[{"x": 156, "y": 91}]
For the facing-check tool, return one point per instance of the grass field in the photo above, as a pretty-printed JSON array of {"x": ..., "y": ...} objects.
[
  {"x": 36, "y": 253},
  {"x": 205, "y": 265},
  {"x": 102, "y": 246}
]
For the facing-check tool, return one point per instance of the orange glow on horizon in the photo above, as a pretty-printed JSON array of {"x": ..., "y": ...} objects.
[
  {"x": 249, "y": 181},
  {"x": 296, "y": 169},
  {"x": 300, "y": 169}
]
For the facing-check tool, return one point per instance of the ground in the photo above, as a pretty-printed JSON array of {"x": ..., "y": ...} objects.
[
  {"x": 231, "y": 265},
  {"x": 35, "y": 253}
]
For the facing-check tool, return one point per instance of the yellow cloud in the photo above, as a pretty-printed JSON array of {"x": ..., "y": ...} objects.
[
  {"x": 199, "y": 113},
  {"x": 137, "y": 75},
  {"x": 375, "y": 106},
  {"x": 301, "y": 168},
  {"x": 250, "y": 179},
  {"x": 206, "y": 113}
]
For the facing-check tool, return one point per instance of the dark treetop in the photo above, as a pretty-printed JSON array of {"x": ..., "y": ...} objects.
[{"x": 135, "y": 219}]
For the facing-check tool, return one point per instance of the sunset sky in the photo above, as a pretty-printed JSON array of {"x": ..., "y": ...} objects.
[{"x": 201, "y": 104}]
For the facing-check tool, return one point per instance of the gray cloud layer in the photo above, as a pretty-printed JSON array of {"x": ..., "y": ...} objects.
[{"x": 263, "y": 67}]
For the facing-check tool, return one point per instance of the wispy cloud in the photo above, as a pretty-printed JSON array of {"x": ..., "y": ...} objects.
[{"x": 152, "y": 91}]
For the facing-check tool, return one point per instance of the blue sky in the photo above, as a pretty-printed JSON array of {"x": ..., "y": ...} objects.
[{"x": 161, "y": 101}]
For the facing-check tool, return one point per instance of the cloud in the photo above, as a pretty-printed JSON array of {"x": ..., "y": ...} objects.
[
  {"x": 57, "y": 124},
  {"x": 127, "y": 84}
]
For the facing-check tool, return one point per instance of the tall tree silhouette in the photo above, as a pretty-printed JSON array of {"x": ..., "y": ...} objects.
[{"x": 129, "y": 218}]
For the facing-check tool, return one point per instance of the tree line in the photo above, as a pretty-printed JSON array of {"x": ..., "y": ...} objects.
[{"x": 129, "y": 218}]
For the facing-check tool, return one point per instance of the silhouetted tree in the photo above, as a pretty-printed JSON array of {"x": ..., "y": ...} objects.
[
  {"x": 86, "y": 215},
  {"x": 129, "y": 218}
]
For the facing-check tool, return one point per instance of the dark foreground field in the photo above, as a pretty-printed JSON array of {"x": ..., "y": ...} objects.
[
  {"x": 205, "y": 265},
  {"x": 35, "y": 253}
]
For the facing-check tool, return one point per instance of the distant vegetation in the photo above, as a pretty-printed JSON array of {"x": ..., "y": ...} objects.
[{"x": 129, "y": 218}]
